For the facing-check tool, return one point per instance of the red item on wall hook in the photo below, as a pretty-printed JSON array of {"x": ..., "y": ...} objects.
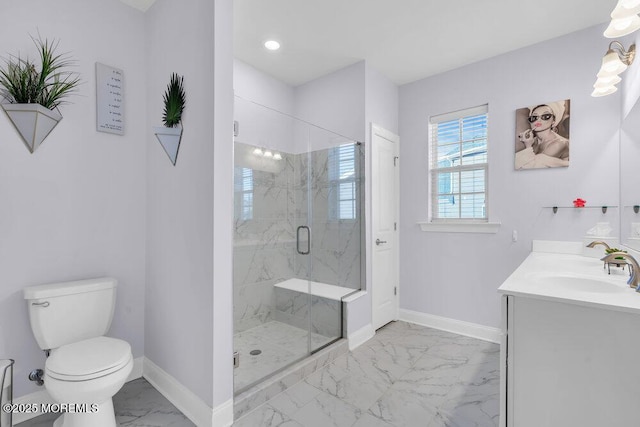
[{"x": 579, "y": 203}]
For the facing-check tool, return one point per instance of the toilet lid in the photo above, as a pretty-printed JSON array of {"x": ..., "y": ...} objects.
[{"x": 88, "y": 359}]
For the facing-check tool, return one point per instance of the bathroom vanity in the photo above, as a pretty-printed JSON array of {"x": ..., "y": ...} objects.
[{"x": 571, "y": 342}]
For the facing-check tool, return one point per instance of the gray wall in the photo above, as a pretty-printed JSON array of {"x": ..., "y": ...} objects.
[
  {"x": 89, "y": 204},
  {"x": 74, "y": 209},
  {"x": 180, "y": 201},
  {"x": 457, "y": 275},
  {"x": 189, "y": 205},
  {"x": 335, "y": 102}
]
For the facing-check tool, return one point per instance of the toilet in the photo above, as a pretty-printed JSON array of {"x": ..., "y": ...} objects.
[{"x": 84, "y": 368}]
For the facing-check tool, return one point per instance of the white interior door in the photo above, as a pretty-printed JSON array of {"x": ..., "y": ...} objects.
[{"x": 384, "y": 219}]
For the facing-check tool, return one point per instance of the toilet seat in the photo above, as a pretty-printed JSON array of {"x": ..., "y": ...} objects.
[{"x": 88, "y": 359}]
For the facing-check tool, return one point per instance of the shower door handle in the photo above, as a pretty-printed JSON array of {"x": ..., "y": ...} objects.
[{"x": 303, "y": 227}]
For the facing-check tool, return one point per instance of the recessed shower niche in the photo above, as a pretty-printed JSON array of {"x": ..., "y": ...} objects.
[{"x": 298, "y": 238}]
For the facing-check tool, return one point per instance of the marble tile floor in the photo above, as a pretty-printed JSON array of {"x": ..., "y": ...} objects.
[
  {"x": 407, "y": 375},
  {"x": 137, "y": 404},
  {"x": 280, "y": 345}
]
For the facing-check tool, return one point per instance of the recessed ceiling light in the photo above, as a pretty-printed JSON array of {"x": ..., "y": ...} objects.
[{"x": 272, "y": 45}]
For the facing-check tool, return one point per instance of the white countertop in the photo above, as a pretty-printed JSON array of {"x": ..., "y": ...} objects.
[{"x": 574, "y": 279}]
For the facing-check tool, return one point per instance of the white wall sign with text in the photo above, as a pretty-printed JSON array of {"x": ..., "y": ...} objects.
[{"x": 109, "y": 99}]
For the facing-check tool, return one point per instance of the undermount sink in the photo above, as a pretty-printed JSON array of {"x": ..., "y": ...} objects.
[{"x": 583, "y": 284}]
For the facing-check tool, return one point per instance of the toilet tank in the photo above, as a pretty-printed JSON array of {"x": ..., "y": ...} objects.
[{"x": 63, "y": 313}]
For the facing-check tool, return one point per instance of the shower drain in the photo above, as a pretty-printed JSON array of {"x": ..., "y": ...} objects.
[{"x": 255, "y": 352}]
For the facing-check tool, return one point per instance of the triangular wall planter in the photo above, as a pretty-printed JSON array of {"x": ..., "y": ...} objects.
[
  {"x": 170, "y": 140},
  {"x": 33, "y": 121}
]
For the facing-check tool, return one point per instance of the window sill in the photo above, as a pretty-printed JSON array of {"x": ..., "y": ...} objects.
[{"x": 460, "y": 227}]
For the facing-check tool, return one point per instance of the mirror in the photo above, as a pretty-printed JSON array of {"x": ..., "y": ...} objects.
[{"x": 629, "y": 183}]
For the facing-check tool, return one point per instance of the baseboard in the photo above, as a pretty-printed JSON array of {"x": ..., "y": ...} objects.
[
  {"x": 184, "y": 399},
  {"x": 360, "y": 336},
  {"x": 136, "y": 372},
  {"x": 223, "y": 414},
  {"x": 31, "y": 400},
  {"x": 460, "y": 327},
  {"x": 41, "y": 396}
]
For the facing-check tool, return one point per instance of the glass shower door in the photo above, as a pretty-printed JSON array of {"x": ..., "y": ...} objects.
[
  {"x": 271, "y": 313},
  {"x": 333, "y": 201}
]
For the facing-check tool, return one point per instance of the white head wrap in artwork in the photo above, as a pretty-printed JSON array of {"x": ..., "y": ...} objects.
[{"x": 557, "y": 108}]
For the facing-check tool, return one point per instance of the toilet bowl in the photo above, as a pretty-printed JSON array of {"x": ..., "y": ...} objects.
[
  {"x": 86, "y": 375},
  {"x": 84, "y": 368}
]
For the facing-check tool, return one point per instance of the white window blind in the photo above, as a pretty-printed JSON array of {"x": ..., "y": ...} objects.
[
  {"x": 342, "y": 182},
  {"x": 243, "y": 189},
  {"x": 458, "y": 165}
]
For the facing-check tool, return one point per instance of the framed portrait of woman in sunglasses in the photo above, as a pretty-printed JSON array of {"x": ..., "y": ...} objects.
[{"x": 542, "y": 135}]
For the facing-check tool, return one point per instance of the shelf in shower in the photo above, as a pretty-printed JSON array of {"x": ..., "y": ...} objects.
[{"x": 323, "y": 290}]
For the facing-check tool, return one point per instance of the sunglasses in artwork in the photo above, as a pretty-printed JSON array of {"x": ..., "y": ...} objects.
[{"x": 545, "y": 117}]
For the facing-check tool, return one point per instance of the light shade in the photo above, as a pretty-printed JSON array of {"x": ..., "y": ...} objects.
[
  {"x": 626, "y": 8},
  {"x": 606, "y": 81},
  {"x": 604, "y": 91},
  {"x": 611, "y": 64},
  {"x": 619, "y": 27}
]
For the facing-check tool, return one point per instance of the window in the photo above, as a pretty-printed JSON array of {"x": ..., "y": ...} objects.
[
  {"x": 243, "y": 197},
  {"x": 458, "y": 165},
  {"x": 342, "y": 182}
]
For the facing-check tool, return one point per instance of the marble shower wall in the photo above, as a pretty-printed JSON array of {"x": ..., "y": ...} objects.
[
  {"x": 337, "y": 244},
  {"x": 263, "y": 243},
  {"x": 304, "y": 311}
]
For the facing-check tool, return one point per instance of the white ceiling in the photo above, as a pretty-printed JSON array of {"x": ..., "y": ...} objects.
[{"x": 404, "y": 39}]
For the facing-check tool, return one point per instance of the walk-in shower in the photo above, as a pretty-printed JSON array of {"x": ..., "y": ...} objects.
[{"x": 298, "y": 238}]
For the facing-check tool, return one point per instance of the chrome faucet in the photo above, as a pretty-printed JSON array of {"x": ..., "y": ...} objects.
[
  {"x": 598, "y": 242},
  {"x": 633, "y": 264}
]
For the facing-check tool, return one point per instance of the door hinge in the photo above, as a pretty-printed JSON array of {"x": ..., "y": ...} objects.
[
  {"x": 395, "y": 290},
  {"x": 236, "y": 359},
  {"x": 394, "y": 160},
  {"x": 395, "y": 226},
  {"x": 236, "y": 128}
]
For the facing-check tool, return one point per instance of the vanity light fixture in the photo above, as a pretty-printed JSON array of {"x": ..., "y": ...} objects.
[
  {"x": 614, "y": 62},
  {"x": 624, "y": 19},
  {"x": 272, "y": 45},
  {"x": 266, "y": 153}
]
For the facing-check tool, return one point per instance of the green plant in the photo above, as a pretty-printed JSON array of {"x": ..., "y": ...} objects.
[
  {"x": 174, "y": 101},
  {"x": 23, "y": 83},
  {"x": 612, "y": 250}
]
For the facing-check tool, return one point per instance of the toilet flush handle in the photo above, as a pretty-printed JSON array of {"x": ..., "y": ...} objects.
[{"x": 41, "y": 304}]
